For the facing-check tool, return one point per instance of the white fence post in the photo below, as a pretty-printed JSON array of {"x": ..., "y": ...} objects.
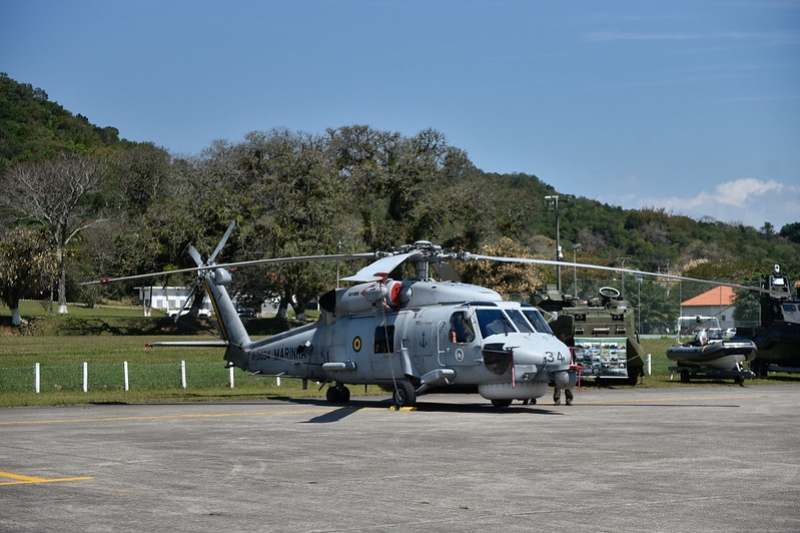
[
  {"x": 85, "y": 376},
  {"x": 37, "y": 377},
  {"x": 230, "y": 373},
  {"x": 649, "y": 365},
  {"x": 183, "y": 374},
  {"x": 278, "y": 381},
  {"x": 125, "y": 372}
]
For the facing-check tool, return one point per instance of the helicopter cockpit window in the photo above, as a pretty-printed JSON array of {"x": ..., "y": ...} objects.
[
  {"x": 493, "y": 322},
  {"x": 519, "y": 321},
  {"x": 461, "y": 328},
  {"x": 384, "y": 339},
  {"x": 538, "y": 321}
]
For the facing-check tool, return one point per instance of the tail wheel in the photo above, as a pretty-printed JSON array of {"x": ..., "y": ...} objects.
[
  {"x": 501, "y": 403},
  {"x": 404, "y": 394}
]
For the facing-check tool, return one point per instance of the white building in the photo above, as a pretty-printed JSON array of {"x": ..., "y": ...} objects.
[
  {"x": 168, "y": 299},
  {"x": 718, "y": 302}
]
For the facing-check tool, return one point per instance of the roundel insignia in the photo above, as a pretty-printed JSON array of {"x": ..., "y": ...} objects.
[
  {"x": 357, "y": 344},
  {"x": 459, "y": 355}
]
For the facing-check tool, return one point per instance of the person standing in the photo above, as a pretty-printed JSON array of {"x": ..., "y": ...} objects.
[
  {"x": 557, "y": 396},
  {"x": 567, "y": 392}
]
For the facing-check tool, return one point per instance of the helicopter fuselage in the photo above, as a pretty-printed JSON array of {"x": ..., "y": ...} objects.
[{"x": 433, "y": 334}]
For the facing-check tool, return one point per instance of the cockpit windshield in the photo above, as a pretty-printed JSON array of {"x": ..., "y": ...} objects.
[
  {"x": 519, "y": 320},
  {"x": 536, "y": 318},
  {"x": 493, "y": 322}
]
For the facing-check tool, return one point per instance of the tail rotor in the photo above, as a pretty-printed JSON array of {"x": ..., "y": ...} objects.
[{"x": 198, "y": 259}]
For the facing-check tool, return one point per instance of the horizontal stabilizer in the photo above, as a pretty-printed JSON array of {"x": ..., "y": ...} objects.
[{"x": 193, "y": 344}]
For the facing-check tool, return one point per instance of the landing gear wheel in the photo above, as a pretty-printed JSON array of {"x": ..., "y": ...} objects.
[
  {"x": 332, "y": 395},
  {"x": 684, "y": 376},
  {"x": 344, "y": 394},
  {"x": 338, "y": 394},
  {"x": 501, "y": 403},
  {"x": 404, "y": 394}
]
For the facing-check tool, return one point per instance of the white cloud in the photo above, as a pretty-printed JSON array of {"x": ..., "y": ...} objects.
[
  {"x": 742, "y": 191},
  {"x": 748, "y": 201}
]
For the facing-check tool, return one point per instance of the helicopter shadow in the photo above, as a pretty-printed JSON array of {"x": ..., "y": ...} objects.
[{"x": 356, "y": 405}]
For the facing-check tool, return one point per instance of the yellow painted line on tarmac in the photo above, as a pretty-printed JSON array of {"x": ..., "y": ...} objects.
[
  {"x": 29, "y": 480},
  {"x": 178, "y": 416}
]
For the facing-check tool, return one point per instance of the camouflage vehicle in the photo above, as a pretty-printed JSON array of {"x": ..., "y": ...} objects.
[
  {"x": 778, "y": 336},
  {"x": 601, "y": 332}
]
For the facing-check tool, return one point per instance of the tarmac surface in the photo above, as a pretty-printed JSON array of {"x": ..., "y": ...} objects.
[{"x": 695, "y": 458}]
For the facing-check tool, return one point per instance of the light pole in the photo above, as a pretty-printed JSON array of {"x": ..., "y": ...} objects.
[
  {"x": 575, "y": 248},
  {"x": 639, "y": 303},
  {"x": 553, "y": 200}
]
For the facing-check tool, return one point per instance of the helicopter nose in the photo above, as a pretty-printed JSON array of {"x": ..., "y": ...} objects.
[{"x": 528, "y": 363}]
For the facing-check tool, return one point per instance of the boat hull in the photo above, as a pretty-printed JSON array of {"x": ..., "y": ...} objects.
[{"x": 725, "y": 355}]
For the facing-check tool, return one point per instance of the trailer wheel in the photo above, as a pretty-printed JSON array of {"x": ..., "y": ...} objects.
[{"x": 684, "y": 376}]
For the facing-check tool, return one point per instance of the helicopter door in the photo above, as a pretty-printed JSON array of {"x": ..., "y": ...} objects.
[
  {"x": 381, "y": 351},
  {"x": 456, "y": 338}
]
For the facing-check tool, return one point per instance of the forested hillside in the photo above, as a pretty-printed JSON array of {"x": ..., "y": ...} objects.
[{"x": 349, "y": 188}]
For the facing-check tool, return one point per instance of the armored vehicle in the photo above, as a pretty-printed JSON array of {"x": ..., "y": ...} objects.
[
  {"x": 778, "y": 336},
  {"x": 601, "y": 332}
]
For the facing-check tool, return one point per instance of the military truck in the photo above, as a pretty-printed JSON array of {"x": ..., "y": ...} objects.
[{"x": 600, "y": 330}]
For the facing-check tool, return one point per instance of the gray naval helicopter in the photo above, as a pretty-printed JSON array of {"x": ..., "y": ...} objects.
[{"x": 409, "y": 336}]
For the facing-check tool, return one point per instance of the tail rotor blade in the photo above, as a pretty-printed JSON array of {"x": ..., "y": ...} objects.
[
  {"x": 195, "y": 255},
  {"x": 186, "y": 301},
  {"x": 222, "y": 242}
]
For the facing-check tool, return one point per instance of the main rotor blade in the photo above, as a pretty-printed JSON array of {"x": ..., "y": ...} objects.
[
  {"x": 550, "y": 262},
  {"x": 380, "y": 269},
  {"x": 222, "y": 242},
  {"x": 336, "y": 257}
]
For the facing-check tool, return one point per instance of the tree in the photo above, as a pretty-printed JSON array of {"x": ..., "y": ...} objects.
[
  {"x": 58, "y": 194},
  {"x": 767, "y": 229},
  {"x": 140, "y": 173},
  {"x": 505, "y": 278},
  {"x": 303, "y": 210},
  {"x": 791, "y": 232},
  {"x": 27, "y": 266},
  {"x": 747, "y": 310}
]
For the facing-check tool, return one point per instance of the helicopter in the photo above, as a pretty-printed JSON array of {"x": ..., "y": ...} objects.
[{"x": 410, "y": 336}]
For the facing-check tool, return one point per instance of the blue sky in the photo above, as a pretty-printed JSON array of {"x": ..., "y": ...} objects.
[{"x": 691, "y": 106}]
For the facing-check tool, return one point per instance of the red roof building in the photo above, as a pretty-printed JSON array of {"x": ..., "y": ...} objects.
[{"x": 716, "y": 302}]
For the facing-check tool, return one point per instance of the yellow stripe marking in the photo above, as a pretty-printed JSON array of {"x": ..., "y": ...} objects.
[
  {"x": 172, "y": 417},
  {"x": 27, "y": 480}
]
